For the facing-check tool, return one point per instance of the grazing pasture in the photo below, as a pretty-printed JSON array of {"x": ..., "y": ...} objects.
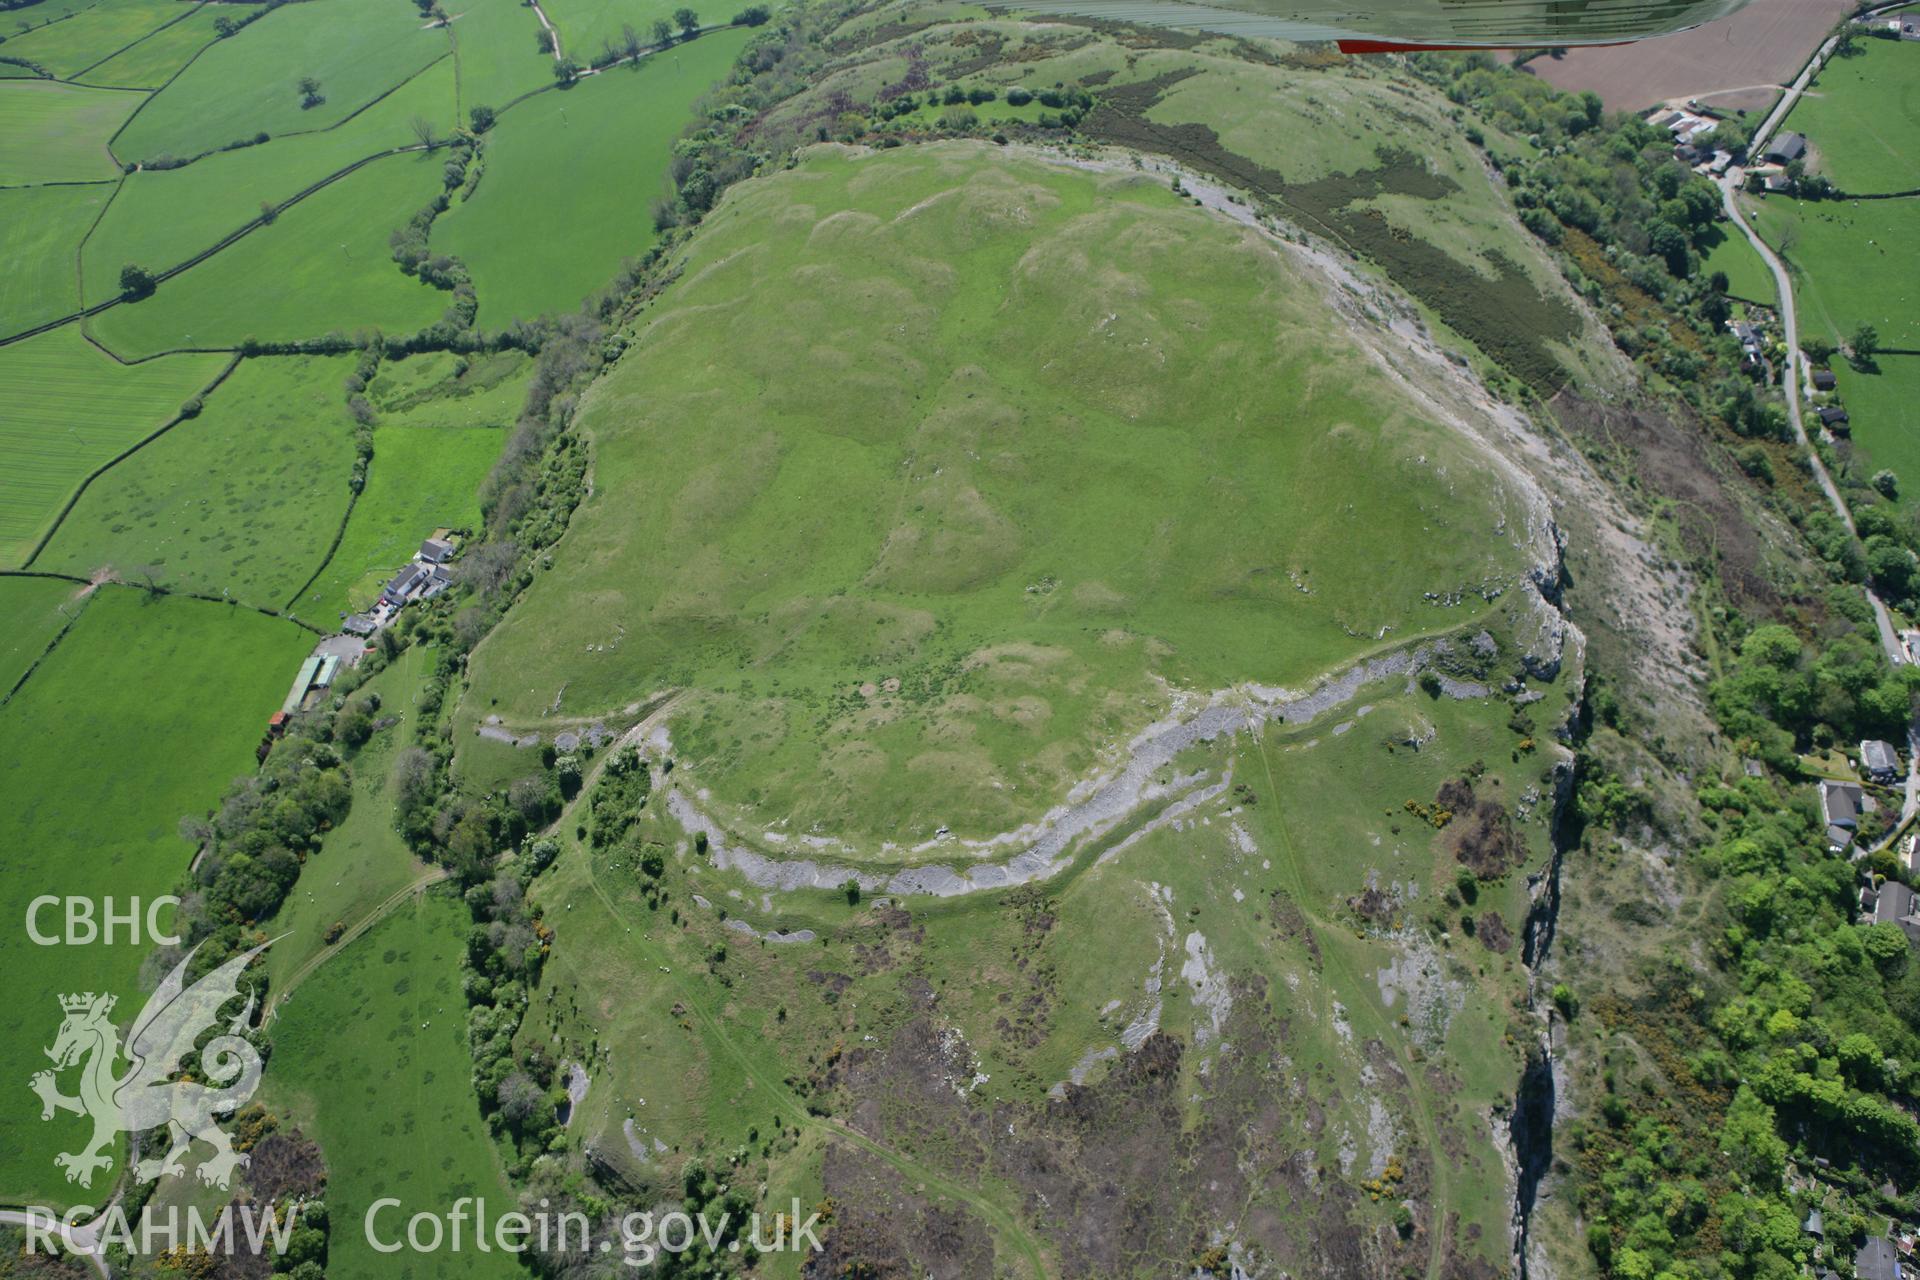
[
  {"x": 32, "y": 612},
  {"x": 370, "y": 1058},
  {"x": 1850, "y": 267},
  {"x": 494, "y": 45},
  {"x": 138, "y": 718},
  {"x": 324, "y": 264},
  {"x": 20, "y": 21},
  {"x": 1852, "y": 264},
  {"x": 444, "y": 390},
  {"x": 588, "y": 26},
  {"x": 422, "y": 479},
  {"x": 66, "y": 408},
  {"x": 607, "y": 142},
  {"x": 162, "y": 217},
  {"x": 250, "y": 83},
  {"x": 40, "y": 233},
  {"x": 1862, "y": 118},
  {"x": 95, "y": 34},
  {"x": 1884, "y": 403},
  {"x": 51, "y": 132},
  {"x": 160, "y": 55},
  {"x": 1747, "y": 275},
  {"x": 1001, "y": 446},
  {"x": 243, "y": 499}
]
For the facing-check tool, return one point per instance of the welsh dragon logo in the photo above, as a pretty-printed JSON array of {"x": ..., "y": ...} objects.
[{"x": 146, "y": 1095}]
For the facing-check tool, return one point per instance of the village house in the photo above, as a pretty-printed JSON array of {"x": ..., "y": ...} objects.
[
  {"x": 1823, "y": 380},
  {"x": 1879, "y": 761},
  {"x": 1834, "y": 418},
  {"x": 1842, "y": 804}
]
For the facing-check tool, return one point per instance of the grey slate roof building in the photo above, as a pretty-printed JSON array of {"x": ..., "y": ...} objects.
[
  {"x": 1841, "y": 804},
  {"x": 436, "y": 550},
  {"x": 1823, "y": 380},
  {"x": 1896, "y": 904},
  {"x": 1879, "y": 760}
]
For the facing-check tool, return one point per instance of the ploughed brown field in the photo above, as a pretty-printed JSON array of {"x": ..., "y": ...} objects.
[{"x": 1734, "y": 63}]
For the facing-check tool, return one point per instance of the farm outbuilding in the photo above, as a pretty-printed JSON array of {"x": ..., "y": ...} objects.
[{"x": 1787, "y": 147}]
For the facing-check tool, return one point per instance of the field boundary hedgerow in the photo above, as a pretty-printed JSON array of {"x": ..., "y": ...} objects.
[
  {"x": 51, "y": 645},
  {"x": 80, "y": 490},
  {"x": 75, "y": 77}
]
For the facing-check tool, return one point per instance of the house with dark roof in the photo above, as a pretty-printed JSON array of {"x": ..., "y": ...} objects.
[
  {"x": 1842, "y": 804},
  {"x": 1787, "y": 147},
  {"x": 1897, "y": 904},
  {"x": 404, "y": 584},
  {"x": 435, "y": 551},
  {"x": 1879, "y": 761},
  {"x": 1834, "y": 418},
  {"x": 1823, "y": 380},
  {"x": 437, "y": 579}
]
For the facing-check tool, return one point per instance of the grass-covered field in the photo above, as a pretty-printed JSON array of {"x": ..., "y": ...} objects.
[
  {"x": 40, "y": 233},
  {"x": 1862, "y": 118},
  {"x": 356, "y": 49},
  {"x": 1001, "y": 447},
  {"x": 1848, "y": 260},
  {"x": 364, "y": 861},
  {"x": 159, "y": 56},
  {"x": 51, "y": 132},
  {"x": 607, "y": 142},
  {"x": 422, "y": 479},
  {"x": 441, "y": 423},
  {"x": 1851, "y": 264},
  {"x": 95, "y": 34},
  {"x": 587, "y": 26},
  {"x": 32, "y": 612},
  {"x": 160, "y": 218},
  {"x": 494, "y": 45},
  {"x": 243, "y": 499},
  {"x": 324, "y": 264},
  {"x": 139, "y": 717},
  {"x": 1747, "y": 275},
  {"x": 371, "y": 1059},
  {"x": 66, "y": 408}
]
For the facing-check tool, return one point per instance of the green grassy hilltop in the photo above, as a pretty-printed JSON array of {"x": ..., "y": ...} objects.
[{"x": 937, "y": 464}]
